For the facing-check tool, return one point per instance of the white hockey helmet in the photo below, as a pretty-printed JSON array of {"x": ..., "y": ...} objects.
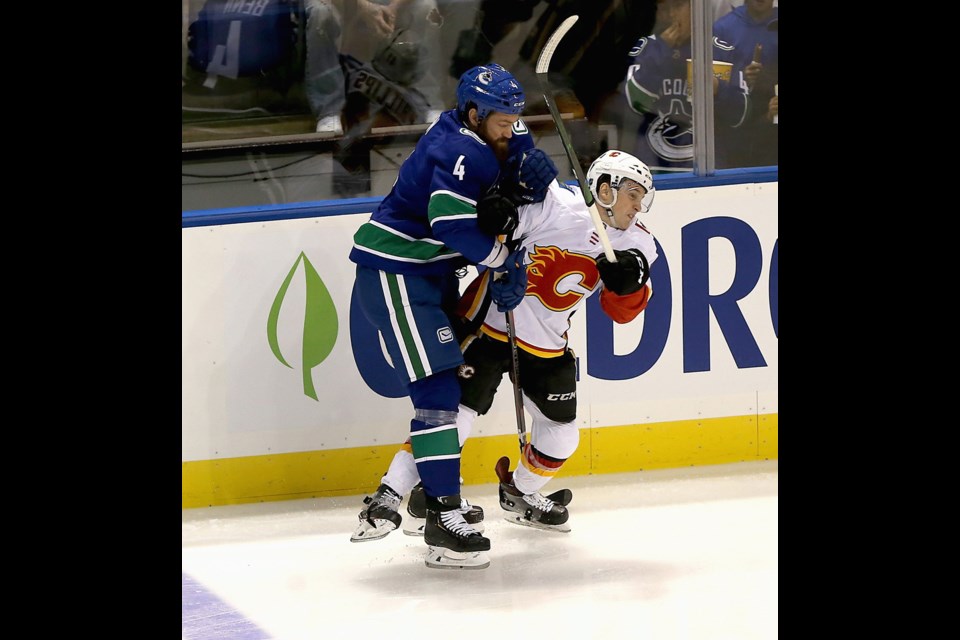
[{"x": 613, "y": 166}]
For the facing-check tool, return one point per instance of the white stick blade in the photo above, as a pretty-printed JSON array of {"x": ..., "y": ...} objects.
[{"x": 543, "y": 62}]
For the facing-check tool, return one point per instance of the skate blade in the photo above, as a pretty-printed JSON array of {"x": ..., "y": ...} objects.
[
  {"x": 523, "y": 522},
  {"x": 365, "y": 532},
  {"x": 441, "y": 558},
  {"x": 414, "y": 526}
]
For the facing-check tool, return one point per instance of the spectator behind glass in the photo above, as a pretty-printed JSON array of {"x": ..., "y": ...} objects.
[
  {"x": 657, "y": 89},
  {"x": 370, "y": 64},
  {"x": 753, "y": 30},
  {"x": 370, "y": 59},
  {"x": 587, "y": 67},
  {"x": 244, "y": 60}
]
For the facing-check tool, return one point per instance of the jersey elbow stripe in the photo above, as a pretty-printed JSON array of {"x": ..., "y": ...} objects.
[
  {"x": 400, "y": 234},
  {"x": 443, "y": 195},
  {"x": 445, "y": 205}
]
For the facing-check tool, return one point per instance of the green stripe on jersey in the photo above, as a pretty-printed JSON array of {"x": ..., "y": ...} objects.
[
  {"x": 436, "y": 443},
  {"x": 383, "y": 241},
  {"x": 444, "y": 205},
  {"x": 406, "y": 333}
]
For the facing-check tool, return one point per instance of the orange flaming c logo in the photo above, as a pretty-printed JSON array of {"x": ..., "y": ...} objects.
[{"x": 553, "y": 266}]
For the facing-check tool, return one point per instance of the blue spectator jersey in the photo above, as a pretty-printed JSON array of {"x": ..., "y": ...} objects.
[
  {"x": 427, "y": 224},
  {"x": 244, "y": 38},
  {"x": 740, "y": 30},
  {"x": 756, "y": 142},
  {"x": 656, "y": 87}
]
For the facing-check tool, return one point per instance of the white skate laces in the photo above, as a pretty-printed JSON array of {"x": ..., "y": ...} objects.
[
  {"x": 453, "y": 521},
  {"x": 539, "y": 501}
]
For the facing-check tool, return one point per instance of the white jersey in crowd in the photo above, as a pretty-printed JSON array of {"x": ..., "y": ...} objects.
[{"x": 562, "y": 244}]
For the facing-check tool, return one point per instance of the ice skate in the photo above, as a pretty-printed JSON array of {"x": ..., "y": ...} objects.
[
  {"x": 380, "y": 517},
  {"x": 453, "y": 544},
  {"x": 532, "y": 509},
  {"x": 416, "y": 518}
]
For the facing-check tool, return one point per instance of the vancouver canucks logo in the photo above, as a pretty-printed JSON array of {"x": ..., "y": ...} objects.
[
  {"x": 319, "y": 324},
  {"x": 670, "y": 136}
]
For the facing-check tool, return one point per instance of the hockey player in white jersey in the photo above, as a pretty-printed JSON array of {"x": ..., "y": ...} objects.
[{"x": 565, "y": 266}]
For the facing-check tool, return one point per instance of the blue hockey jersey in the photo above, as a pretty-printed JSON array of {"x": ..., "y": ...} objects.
[
  {"x": 656, "y": 87},
  {"x": 243, "y": 38},
  {"x": 427, "y": 224}
]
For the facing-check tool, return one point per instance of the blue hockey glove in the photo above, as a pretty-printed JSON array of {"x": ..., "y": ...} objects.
[
  {"x": 496, "y": 214},
  {"x": 508, "y": 284},
  {"x": 627, "y": 275},
  {"x": 529, "y": 174}
]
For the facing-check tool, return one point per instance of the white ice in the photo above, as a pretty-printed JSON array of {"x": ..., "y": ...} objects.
[{"x": 687, "y": 554}]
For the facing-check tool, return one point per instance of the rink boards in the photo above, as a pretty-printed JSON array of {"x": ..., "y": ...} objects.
[{"x": 286, "y": 392}]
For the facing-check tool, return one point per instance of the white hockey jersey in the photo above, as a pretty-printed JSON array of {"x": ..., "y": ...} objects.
[{"x": 562, "y": 244}]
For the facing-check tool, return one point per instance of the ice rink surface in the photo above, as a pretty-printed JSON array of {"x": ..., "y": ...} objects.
[{"x": 686, "y": 554}]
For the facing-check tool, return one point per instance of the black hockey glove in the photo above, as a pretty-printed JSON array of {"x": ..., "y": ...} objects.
[
  {"x": 627, "y": 275},
  {"x": 508, "y": 283},
  {"x": 528, "y": 176},
  {"x": 496, "y": 214}
]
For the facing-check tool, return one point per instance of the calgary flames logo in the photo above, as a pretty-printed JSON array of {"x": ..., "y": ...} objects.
[{"x": 560, "y": 278}]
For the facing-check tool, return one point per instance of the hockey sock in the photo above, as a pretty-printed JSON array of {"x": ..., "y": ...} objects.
[{"x": 402, "y": 476}]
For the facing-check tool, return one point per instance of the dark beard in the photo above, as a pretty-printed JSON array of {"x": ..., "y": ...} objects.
[{"x": 501, "y": 149}]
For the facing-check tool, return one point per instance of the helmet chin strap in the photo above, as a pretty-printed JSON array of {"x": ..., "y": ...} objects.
[
  {"x": 608, "y": 208},
  {"x": 612, "y": 221}
]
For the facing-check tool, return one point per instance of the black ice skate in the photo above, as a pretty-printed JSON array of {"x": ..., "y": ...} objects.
[
  {"x": 533, "y": 509},
  {"x": 417, "y": 511},
  {"x": 380, "y": 517},
  {"x": 453, "y": 544}
]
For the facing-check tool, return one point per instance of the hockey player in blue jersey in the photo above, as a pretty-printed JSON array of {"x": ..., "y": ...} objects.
[
  {"x": 407, "y": 256},
  {"x": 656, "y": 87}
]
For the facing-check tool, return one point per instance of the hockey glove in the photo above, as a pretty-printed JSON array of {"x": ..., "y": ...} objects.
[
  {"x": 529, "y": 174},
  {"x": 627, "y": 275},
  {"x": 509, "y": 282},
  {"x": 496, "y": 214}
]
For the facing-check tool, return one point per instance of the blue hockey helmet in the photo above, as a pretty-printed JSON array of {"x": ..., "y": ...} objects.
[{"x": 491, "y": 88}]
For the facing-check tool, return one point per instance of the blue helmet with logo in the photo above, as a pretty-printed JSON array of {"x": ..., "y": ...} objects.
[{"x": 491, "y": 88}]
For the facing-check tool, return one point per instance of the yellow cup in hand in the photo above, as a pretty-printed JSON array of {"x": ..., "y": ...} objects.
[{"x": 721, "y": 71}]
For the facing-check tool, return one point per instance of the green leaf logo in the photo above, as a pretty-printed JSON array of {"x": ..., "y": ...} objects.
[{"x": 319, "y": 322}]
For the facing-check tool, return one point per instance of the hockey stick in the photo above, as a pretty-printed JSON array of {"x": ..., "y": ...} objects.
[
  {"x": 543, "y": 65},
  {"x": 517, "y": 394}
]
